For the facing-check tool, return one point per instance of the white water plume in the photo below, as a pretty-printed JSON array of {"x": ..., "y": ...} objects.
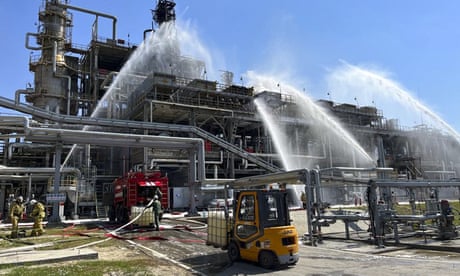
[
  {"x": 159, "y": 53},
  {"x": 350, "y": 81},
  {"x": 320, "y": 123},
  {"x": 279, "y": 140}
]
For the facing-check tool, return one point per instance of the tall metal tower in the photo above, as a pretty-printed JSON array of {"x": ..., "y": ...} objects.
[{"x": 52, "y": 79}]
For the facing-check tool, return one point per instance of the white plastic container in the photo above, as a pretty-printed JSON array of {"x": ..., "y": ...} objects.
[
  {"x": 217, "y": 228},
  {"x": 146, "y": 219}
]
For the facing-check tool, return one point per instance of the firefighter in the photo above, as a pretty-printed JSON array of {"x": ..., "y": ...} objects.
[
  {"x": 38, "y": 213},
  {"x": 303, "y": 198},
  {"x": 156, "y": 212},
  {"x": 158, "y": 193},
  {"x": 16, "y": 211}
]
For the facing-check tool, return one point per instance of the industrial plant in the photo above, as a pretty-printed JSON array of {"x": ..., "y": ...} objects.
[{"x": 115, "y": 112}]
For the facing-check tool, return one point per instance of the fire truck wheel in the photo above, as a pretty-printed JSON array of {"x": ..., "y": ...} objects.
[
  {"x": 233, "y": 252},
  {"x": 268, "y": 259}
]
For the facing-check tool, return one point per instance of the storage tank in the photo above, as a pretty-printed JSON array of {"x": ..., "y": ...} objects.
[{"x": 218, "y": 227}]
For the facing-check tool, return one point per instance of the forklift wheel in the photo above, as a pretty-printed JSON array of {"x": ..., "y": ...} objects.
[
  {"x": 233, "y": 252},
  {"x": 268, "y": 259}
]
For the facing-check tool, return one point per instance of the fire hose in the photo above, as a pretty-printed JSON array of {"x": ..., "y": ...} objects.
[{"x": 114, "y": 232}]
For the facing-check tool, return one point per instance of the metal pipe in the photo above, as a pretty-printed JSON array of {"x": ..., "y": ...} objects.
[
  {"x": 295, "y": 177},
  {"x": 114, "y": 19},
  {"x": 415, "y": 217},
  {"x": 317, "y": 181},
  {"x": 309, "y": 206},
  {"x": 94, "y": 69},
  {"x": 192, "y": 176},
  {"x": 5, "y": 153},
  {"x": 201, "y": 174},
  {"x": 440, "y": 172},
  {"x": 355, "y": 169},
  {"x": 292, "y": 155},
  {"x": 27, "y": 41},
  {"x": 53, "y": 58},
  {"x": 57, "y": 181},
  {"x": 22, "y": 177},
  {"x": 147, "y": 31},
  {"x": 29, "y": 188},
  {"x": 170, "y": 160},
  {"x": 118, "y": 139},
  {"x": 26, "y": 145},
  {"x": 415, "y": 184},
  {"x": 42, "y": 170},
  {"x": 58, "y": 118},
  {"x": 17, "y": 94},
  {"x": 69, "y": 79}
]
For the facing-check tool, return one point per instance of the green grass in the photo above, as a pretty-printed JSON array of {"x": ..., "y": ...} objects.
[
  {"x": 62, "y": 238},
  {"x": 119, "y": 267},
  {"x": 405, "y": 209}
]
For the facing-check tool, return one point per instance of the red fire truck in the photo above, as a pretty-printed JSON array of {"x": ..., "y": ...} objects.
[{"x": 137, "y": 189}]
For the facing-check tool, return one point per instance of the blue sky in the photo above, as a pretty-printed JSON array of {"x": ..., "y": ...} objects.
[{"x": 301, "y": 43}]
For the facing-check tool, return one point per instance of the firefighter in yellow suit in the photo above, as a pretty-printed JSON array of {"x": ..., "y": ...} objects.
[
  {"x": 16, "y": 211},
  {"x": 38, "y": 213}
]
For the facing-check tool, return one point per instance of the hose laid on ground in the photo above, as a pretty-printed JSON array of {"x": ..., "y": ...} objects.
[
  {"x": 202, "y": 226},
  {"x": 131, "y": 221}
]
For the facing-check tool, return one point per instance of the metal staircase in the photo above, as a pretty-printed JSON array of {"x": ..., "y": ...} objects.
[
  {"x": 235, "y": 150},
  {"x": 101, "y": 211}
]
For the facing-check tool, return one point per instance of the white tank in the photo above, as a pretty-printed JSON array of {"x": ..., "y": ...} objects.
[
  {"x": 217, "y": 228},
  {"x": 146, "y": 219}
]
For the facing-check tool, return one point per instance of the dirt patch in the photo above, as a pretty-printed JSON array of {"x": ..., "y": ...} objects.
[{"x": 132, "y": 253}]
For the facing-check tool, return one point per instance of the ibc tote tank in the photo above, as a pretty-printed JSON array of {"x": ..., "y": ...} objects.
[{"x": 217, "y": 228}]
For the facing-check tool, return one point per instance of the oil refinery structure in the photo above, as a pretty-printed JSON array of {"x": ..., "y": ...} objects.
[{"x": 196, "y": 131}]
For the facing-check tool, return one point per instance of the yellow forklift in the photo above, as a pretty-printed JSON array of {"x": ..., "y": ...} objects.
[{"x": 258, "y": 227}]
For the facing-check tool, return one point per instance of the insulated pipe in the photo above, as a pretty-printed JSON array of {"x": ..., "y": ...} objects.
[
  {"x": 292, "y": 155},
  {"x": 306, "y": 179},
  {"x": 417, "y": 184},
  {"x": 108, "y": 138},
  {"x": 201, "y": 174},
  {"x": 58, "y": 118},
  {"x": 37, "y": 171},
  {"x": 295, "y": 177},
  {"x": 57, "y": 181},
  {"x": 25, "y": 145},
  {"x": 356, "y": 169},
  {"x": 69, "y": 79},
  {"x": 317, "y": 180},
  {"x": 114, "y": 19},
  {"x": 29, "y": 188},
  {"x": 18, "y": 93},
  {"x": 170, "y": 160},
  {"x": 118, "y": 139},
  {"x": 15, "y": 120},
  {"x": 5, "y": 153},
  {"x": 22, "y": 177},
  {"x": 192, "y": 175}
]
